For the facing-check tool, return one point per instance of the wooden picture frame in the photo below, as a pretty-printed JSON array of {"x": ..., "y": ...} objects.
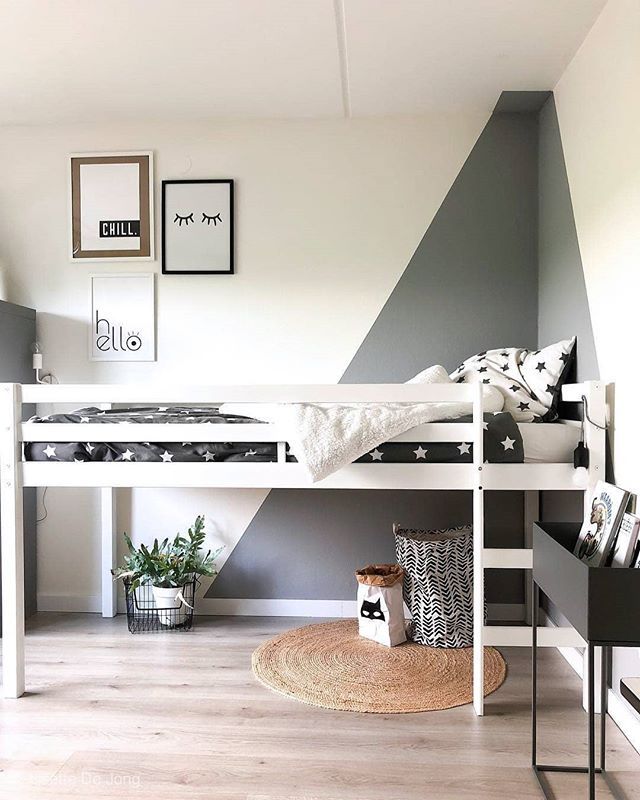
[
  {"x": 198, "y": 227},
  {"x": 111, "y": 206}
]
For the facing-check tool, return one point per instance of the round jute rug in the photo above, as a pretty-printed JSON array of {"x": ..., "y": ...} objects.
[{"x": 330, "y": 665}]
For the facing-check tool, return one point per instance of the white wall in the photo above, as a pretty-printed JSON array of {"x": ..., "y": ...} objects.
[
  {"x": 599, "y": 115},
  {"x": 328, "y": 215}
]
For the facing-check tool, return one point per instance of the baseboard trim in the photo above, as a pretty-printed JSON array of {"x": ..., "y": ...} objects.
[
  {"x": 624, "y": 718},
  {"x": 78, "y": 603},
  {"x": 250, "y": 607},
  {"x": 270, "y": 607},
  {"x": 618, "y": 710},
  {"x": 213, "y": 606}
]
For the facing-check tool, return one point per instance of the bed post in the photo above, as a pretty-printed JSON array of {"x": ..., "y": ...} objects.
[
  {"x": 595, "y": 440},
  {"x": 531, "y": 515},
  {"x": 108, "y": 546},
  {"x": 478, "y": 547},
  {"x": 595, "y": 437},
  {"x": 11, "y": 527}
]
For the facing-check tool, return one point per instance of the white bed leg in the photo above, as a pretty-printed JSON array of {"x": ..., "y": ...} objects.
[
  {"x": 531, "y": 515},
  {"x": 478, "y": 555},
  {"x": 478, "y": 601},
  {"x": 108, "y": 546},
  {"x": 109, "y": 552},
  {"x": 11, "y": 525}
]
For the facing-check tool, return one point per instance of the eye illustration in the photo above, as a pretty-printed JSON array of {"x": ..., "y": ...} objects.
[
  {"x": 187, "y": 220},
  {"x": 134, "y": 342},
  {"x": 215, "y": 219}
]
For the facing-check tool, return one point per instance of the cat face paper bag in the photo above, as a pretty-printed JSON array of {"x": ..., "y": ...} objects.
[{"x": 380, "y": 604}]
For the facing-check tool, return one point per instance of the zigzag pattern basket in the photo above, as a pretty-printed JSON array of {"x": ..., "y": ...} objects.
[{"x": 438, "y": 584}]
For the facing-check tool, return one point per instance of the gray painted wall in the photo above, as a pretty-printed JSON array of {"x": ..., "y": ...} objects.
[
  {"x": 308, "y": 543},
  {"x": 17, "y": 333},
  {"x": 563, "y": 309},
  {"x": 472, "y": 282},
  {"x": 471, "y": 285}
]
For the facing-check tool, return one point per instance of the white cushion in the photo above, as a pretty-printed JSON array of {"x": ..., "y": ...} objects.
[
  {"x": 435, "y": 374},
  {"x": 493, "y": 399}
]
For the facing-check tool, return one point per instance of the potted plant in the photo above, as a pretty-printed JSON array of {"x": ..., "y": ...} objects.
[{"x": 168, "y": 567}]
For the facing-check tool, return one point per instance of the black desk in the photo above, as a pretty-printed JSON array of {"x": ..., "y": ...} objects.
[{"x": 603, "y": 605}]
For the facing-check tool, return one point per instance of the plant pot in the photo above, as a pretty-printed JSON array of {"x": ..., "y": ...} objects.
[{"x": 170, "y": 605}]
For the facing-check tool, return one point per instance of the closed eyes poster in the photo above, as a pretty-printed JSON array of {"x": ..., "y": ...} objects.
[{"x": 198, "y": 226}]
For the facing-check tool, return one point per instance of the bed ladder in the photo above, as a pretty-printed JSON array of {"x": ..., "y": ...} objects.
[{"x": 522, "y": 557}]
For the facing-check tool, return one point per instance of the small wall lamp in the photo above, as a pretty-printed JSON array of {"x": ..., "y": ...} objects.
[{"x": 36, "y": 363}]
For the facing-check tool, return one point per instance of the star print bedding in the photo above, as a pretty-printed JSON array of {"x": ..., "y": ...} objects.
[
  {"x": 324, "y": 437},
  {"x": 148, "y": 451},
  {"x": 530, "y": 381},
  {"x": 502, "y": 441}
]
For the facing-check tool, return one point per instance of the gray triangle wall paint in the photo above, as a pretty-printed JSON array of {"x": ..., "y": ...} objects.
[
  {"x": 563, "y": 307},
  {"x": 469, "y": 284},
  {"x": 468, "y": 287}
]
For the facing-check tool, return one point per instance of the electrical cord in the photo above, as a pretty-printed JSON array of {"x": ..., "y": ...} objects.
[
  {"x": 44, "y": 507},
  {"x": 586, "y": 414},
  {"x": 49, "y": 378}
]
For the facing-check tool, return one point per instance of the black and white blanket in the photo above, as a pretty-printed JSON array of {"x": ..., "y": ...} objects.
[{"x": 502, "y": 441}]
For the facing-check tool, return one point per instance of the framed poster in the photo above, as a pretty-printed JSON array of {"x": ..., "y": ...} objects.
[
  {"x": 197, "y": 227},
  {"x": 123, "y": 319},
  {"x": 111, "y": 206}
]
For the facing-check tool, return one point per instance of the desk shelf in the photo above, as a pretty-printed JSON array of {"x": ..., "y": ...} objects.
[{"x": 603, "y": 605}]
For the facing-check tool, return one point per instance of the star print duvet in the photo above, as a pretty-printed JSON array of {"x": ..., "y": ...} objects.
[
  {"x": 502, "y": 441},
  {"x": 148, "y": 451},
  {"x": 530, "y": 381}
]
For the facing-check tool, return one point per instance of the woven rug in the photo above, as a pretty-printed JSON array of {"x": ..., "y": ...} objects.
[{"x": 330, "y": 665}]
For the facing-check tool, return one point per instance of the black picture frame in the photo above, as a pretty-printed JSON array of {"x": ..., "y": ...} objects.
[{"x": 166, "y": 265}]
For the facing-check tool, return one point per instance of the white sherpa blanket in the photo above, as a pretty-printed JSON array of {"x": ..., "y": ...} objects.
[{"x": 326, "y": 436}]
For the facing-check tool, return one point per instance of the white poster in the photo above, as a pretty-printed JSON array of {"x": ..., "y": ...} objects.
[
  {"x": 110, "y": 218},
  {"x": 122, "y": 326}
]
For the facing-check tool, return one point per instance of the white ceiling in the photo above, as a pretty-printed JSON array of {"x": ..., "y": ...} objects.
[{"x": 97, "y": 60}]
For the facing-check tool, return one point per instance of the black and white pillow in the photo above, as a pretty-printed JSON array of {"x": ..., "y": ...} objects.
[{"x": 530, "y": 380}]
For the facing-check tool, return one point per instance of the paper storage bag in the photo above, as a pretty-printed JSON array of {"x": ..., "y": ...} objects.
[{"x": 380, "y": 604}]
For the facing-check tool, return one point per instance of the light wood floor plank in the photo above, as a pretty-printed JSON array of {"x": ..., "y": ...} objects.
[{"x": 111, "y": 715}]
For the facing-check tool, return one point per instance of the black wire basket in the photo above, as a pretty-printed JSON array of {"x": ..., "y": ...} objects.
[{"x": 150, "y": 612}]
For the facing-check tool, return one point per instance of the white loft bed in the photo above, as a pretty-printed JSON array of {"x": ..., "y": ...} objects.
[{"x": 477, "y": 477}]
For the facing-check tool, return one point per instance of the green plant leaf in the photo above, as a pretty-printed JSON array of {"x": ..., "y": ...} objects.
[{"x": 169, "y": 563}]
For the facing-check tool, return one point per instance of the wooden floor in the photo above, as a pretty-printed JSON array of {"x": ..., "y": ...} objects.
[{"x": 181, "y": 716}]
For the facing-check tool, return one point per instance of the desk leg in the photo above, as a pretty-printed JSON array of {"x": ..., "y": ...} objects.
[
  {"x": 592, "y": 721},
  {"x": 604, "y": 683}
]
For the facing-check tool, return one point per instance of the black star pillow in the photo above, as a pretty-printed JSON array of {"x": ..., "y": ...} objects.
[{"x": 530, "y": 380}]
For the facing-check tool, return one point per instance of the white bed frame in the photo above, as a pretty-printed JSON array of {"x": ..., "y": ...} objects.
[{"x": 478, "y": 477}]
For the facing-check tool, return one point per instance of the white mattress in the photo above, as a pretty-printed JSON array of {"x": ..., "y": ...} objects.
[{"x": 549, "y": 442}]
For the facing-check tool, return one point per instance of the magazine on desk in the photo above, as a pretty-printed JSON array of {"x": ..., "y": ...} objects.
[
  {"x": 626, "y": 543},
  {"x": 601, "y": 524}
]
